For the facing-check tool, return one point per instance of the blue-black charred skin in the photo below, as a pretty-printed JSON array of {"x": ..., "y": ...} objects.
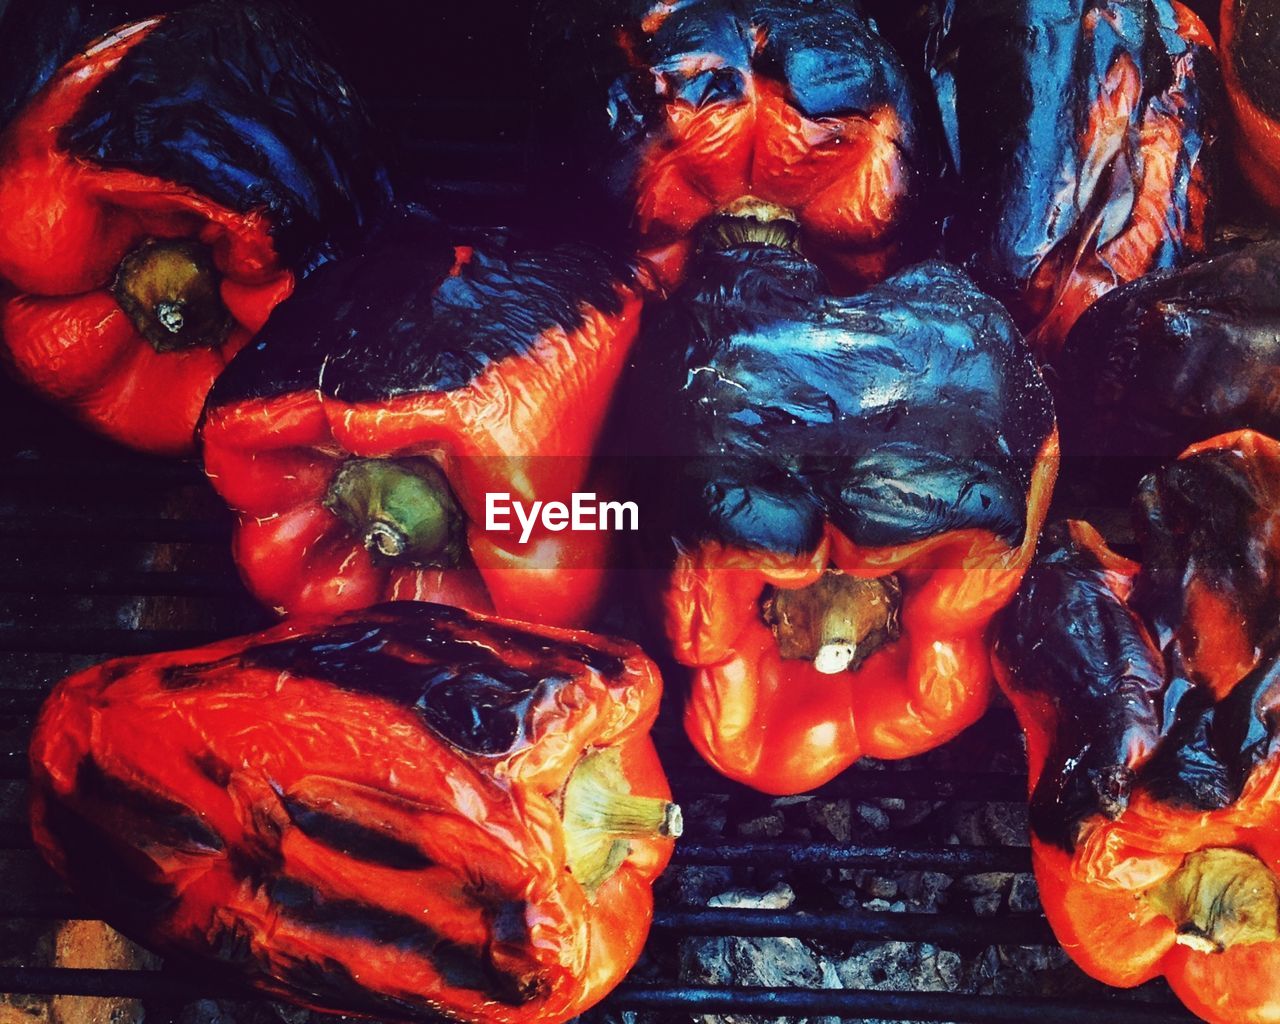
[
  {"x": 908, "y": 411},
  {"x": 599, "y": 114},
  {"x": 1175, "y": 357},
  {"x": 473, "y": 684},
  {"x": 241, "y": 102},
  {"x": 1069, "y": 638},
  {"x": 1129, "y": 710},
  {"x": 38, "y": 36},
  {"x": 1257, "y": 54},
  {"x": 1014, "y": 83},
  {"x": 391, "y": 321}
]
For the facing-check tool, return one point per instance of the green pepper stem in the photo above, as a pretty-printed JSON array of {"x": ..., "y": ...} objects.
[
  {"x": 171, "y": 290},
  {"x": 1220, "y": 898},
  {"x": 402, "y": 509},
  {"x": 600, "y": 814}
]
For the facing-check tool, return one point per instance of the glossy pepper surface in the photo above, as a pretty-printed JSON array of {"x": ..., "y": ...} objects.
[
  {"x": 359, "y": 438},
  {"x": 403, "y": 813},
  {"x": 161, "y": 194},
  {"x": 1250, "y": 40},
  {"x": 1147, "y": 691},
  {"x": 1080, "y": 134},
  {"x": 849, "y": 489},
  {"x": 1175, "y": 357},
  {"x": 793, "y": 116}
]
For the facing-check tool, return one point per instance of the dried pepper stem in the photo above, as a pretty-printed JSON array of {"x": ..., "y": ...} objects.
[
  {"x": 1220, "y": 898},
  {"x": 402, "y": 509},
  {"x": 171, "y": 290},
  {"x": 601, "y": 814},
  {"x": 836, "y": 622}
]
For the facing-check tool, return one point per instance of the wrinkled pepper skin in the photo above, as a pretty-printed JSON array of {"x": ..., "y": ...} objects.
[
  {"x": 1082, "y": 157},
  {"x": 1148, "y": 695},
  {"x": 679, "y": 111},
  {"x": 494, "y": 366},
  {"x": 376, "y": 815},
  {"x": 161, "y": 194},
  {"x": 1174, "y": 357},
  {"x": 902, "y": 436},
  {"x": 1250, "y": 41}
]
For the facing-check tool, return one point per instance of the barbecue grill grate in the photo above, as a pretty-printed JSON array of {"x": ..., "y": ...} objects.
[{"x": 105, "y": 553}]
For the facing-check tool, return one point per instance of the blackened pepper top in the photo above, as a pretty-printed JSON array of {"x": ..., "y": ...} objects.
[
  {"x": 908, "y": 411},
  {"x": 240, "y": 102}
]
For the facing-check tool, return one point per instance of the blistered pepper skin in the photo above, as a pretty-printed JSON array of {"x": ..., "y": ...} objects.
[
  {"x": 1250, "y": 40},
  {"x": 245, "y": 183},
  {"x": 362, "y": 815},
  {"x": 494, "y": 366},
  {"x": 675, "y": 112},
  {"x": 902, "y": 435},
  {"x": 1082, "y": 159},
  {"x": 1147, "y": 692},
  {"x": 1174, "y": 357}
]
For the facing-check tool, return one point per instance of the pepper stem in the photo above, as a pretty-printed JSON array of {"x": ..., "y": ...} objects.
[
  {"x": 402, "y": 509},
  {"x": 751, "y": 220},
  {"x": 836, "y": 622},
  {"x": 601, "y": 814},
  {"x": 1220, "y": 898},
  {"x": 171, "y": 290}
]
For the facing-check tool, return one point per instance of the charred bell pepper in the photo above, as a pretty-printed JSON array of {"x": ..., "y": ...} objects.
[
  {"x": 1148, "y": 694},
  {"x": 402, "y": 813},
  {"x": 1080, "y": 133},
  {"x": 852, "y": 489},
  {"x": 160, "y": 195},
  {"x": 359, "y": 438},
  {"x": 1174, "y": 357},
  {"x": 1250, "y": 42},
  {"x": 772, "y": 118}
]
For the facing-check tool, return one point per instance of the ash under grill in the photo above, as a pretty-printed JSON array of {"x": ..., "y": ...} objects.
[{"x": 895, "y": 893}]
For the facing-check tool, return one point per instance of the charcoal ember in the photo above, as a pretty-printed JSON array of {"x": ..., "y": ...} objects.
[
  {"x": 768, "y": 962},
  {"x": 986, "y": 891}
]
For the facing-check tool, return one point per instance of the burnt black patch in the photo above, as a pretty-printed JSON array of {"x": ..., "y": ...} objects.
[
  {"x": 390, "y": 320},
  {"x": 155, "y": 818},
  {"x": 908, "y": 411},
  {"x": 352, "y": 839},
  {"x": 108, "y": 871},
  {"x": 460, "y": 966},
  {"x": 1257, "y": 54},
  {"x": 462, "y": 676},
  {"x": 1173, "y": 358},
  {"x": 283, "y": 133},
  {"x": 1015, "y": 81},
  {"x": 1068, "y": 637},
  {"x": 213, "y": 768}
]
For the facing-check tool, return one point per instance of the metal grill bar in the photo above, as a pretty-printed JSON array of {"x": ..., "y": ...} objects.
[
  {"x": 853, "y": 1004},
  {"x": 953, "y": 859},
  {"x": 858, "y": 925}
]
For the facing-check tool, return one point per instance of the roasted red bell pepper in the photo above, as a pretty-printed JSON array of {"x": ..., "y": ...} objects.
[
  {"x": 849, "y": 489},
  {"x": 359, "y": 439},
  {"x": 1148, "y": 694},
  {"x": 1250, "y": 40},
  {"x": 708, "y": 113},
  {"x": 404, "y": 812},
  {"x": 1081, "y": 135},
  {"x": 160, "y": 195}
]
